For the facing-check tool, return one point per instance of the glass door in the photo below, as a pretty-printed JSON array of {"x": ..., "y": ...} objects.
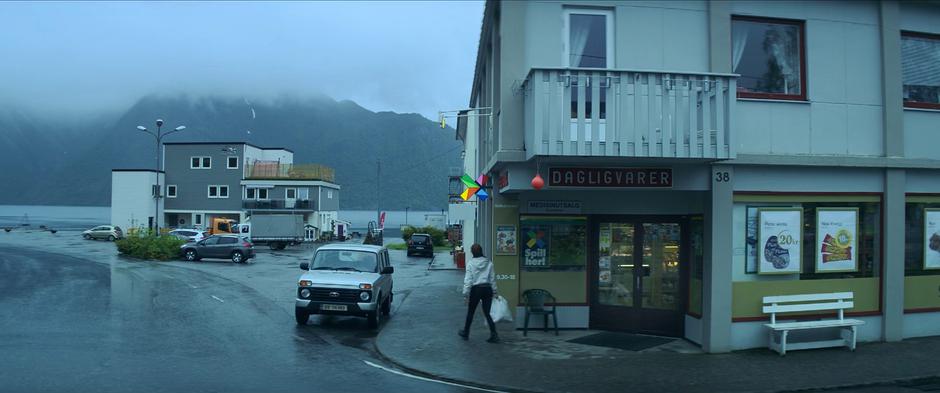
[{"x": 638, "y": 277}]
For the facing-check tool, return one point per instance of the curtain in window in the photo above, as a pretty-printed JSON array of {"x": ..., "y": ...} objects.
[
  {"x": 739, "y": 42},
  {"x": 578, "y": 41},
  {"x": 781, "y": 43}
]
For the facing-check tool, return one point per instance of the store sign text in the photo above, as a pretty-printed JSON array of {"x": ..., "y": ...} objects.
[{"x": 610, "y": 177}]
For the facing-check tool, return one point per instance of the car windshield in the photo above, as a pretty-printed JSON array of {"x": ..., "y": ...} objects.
[
  {"x": 420, "y": 239},
  {"x": 360, "y": 261}
]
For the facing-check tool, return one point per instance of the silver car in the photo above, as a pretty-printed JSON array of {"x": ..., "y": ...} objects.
[
  {"x": 109, "y": 232},
  {"x": 346, "y": 279}
]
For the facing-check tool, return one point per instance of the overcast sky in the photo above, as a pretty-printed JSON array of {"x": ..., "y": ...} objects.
[{"x": 87, "y": 57}]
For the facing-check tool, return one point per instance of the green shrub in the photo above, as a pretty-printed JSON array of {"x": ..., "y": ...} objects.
[
  {"x": 147, "y": 246},
  {"x": 438, "y": 237}
]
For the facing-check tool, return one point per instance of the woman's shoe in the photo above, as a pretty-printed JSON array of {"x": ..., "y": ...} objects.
[
  {"x": 463, "y": 334},
  {"x": 494, "y": 339}
]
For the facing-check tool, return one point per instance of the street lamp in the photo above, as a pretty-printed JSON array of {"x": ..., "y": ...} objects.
[
  {"x": 406, "y": 215},
  {"x": 158, "y": 136}
]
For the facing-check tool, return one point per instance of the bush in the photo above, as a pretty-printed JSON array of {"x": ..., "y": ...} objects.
[
  {"x": 437, "y": 235},
  {"x": 150, "y": 247}
]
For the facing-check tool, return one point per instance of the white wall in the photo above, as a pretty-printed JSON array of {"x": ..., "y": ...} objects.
[
  {"x": 253, "y": 153},
  {"x": 132, "y": 202},
  {"x": 921, "y": 324},
  {"x": 921, "y": 133}
]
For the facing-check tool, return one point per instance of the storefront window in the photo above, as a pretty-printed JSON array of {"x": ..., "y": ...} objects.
[
  {"x": 552, "y": 244},
  {"x": 920, "y": 241},
  {"x": 697, "y": 265}
]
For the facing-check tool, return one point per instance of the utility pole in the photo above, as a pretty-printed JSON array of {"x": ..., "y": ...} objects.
[{"x": 378, "y": 177}]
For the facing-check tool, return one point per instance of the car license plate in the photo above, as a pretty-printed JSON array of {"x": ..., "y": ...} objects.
[
  {"x": 333, "y": 307},
  {"x": 419, "y": 247}
]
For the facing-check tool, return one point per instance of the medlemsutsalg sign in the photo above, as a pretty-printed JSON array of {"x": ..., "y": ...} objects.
[{"x": 610, "y": 177}]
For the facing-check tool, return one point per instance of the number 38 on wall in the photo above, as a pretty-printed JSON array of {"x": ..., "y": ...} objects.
[{"x": 722, "y": 177}]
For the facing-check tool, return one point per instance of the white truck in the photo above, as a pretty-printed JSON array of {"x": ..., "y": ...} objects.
[{"x": 277, "y": 230}]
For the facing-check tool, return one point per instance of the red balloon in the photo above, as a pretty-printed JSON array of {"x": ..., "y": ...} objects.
[{"x": 537, "y": 182}]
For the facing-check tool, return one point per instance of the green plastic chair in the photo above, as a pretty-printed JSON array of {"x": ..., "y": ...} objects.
[{"x": 535, "y": 301}]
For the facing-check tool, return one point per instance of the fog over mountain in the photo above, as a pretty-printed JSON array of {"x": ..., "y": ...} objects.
[{"x": 69, "y": 162}]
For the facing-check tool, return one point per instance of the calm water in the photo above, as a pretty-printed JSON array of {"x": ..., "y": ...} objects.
[{"x": 83, "y": 217}]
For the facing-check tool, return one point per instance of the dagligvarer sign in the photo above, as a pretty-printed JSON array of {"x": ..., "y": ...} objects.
[{"x": 610, "y": 177}]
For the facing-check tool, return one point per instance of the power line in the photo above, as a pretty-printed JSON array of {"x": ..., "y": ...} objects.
[{"x": 411, "y": 167}]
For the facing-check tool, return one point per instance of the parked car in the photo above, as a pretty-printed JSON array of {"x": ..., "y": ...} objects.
[
  {"x": 189, "y": 235},
  {"x": 233, "y": 247},
  {"x": 421, "y": 243},
  {"x": 109, "y": 232},
  {"x": 346, "y": 279}
]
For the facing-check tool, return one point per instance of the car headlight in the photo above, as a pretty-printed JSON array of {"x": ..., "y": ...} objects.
[
  {"x": 365, "y": 296},
  {"x": 305, "y": 293}
]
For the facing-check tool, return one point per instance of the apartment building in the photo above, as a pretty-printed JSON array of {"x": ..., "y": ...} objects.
[
  {"x": 232, "y": 181},
  {"x": 661, "y": 166}
]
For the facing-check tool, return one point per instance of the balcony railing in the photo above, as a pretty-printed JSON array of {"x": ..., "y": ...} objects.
[
  {"x": 575, "y": 112},
  {"x": 275, "y": 204},
  {"x": 261, "y": 170}
]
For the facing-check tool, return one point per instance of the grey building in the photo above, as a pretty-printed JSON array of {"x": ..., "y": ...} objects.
[{"x": 652, "y": 162}]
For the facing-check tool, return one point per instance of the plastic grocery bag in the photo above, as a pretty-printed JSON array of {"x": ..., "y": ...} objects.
[{"x": 500, "y": 310}]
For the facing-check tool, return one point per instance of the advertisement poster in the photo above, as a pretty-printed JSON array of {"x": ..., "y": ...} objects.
[
  {"x": 605, "y": 241},
  {"x": 505, "y": 240},
  {"x": 603, "y": 277},
  {"x": 535, "y": 246},
  {"x": 836, "y": 240},
  {"x": 931, "y": 238},
  {"x": 779, "y": 238},
  {"x": 750, "y": 241}
]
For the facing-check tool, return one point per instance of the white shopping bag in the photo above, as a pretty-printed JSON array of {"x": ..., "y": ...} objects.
[{"x": 500, "y": 310}]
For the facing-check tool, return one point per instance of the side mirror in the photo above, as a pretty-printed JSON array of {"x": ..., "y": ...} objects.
[
  {"x": 305, "y": 266},
  {"x": 388, "y": 270}
]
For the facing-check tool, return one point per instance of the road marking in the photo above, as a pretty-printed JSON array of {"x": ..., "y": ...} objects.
[
  {"x": 193, "y": 286},
  {"x": 217, "y": 298},
  {"x": 404, "y": 374}
]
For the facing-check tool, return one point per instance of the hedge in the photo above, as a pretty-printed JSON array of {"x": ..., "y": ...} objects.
[
  {"x": 437, "y": 235},
  {"x": 150, "y": 247}
]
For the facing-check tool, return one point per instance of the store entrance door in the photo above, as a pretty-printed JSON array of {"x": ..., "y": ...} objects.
[{"x": 638, "y": 281}]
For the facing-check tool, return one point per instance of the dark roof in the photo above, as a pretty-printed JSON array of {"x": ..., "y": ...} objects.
[
  {"x": 228, "y": 143},
  {"x": 135, "y": 170}
]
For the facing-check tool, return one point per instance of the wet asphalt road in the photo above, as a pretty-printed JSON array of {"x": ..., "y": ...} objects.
[{"x": 103, "y": 323}]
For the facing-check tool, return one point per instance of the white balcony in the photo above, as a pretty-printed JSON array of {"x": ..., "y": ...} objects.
[{"x": 638, "y": 114}]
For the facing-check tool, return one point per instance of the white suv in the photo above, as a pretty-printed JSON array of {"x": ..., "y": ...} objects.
[{"x": 346, "y": 279}]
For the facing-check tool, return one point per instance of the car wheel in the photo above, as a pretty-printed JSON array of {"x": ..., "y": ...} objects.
[
  {"x": 301, "y": 316},
  {"x": 237, "y": 257},
  {"x": 86, "y": 236},
  {"x": 191, "y": 255},
  {"x": 387, "y": 305},
  {"x": 110, "y": 238},
  {"x": 375, "y": 318}
]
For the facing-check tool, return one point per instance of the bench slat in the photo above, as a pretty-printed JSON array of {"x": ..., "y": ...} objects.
[
  {"x": 808, "y": 297},
  {"x": 814, "y": 324},
  {"x": 808, "y": 307}
]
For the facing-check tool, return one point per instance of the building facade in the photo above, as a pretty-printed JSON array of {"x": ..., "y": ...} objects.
[
  {"x": 234, "y": 181},
  {"x": 699, "y": 155}
]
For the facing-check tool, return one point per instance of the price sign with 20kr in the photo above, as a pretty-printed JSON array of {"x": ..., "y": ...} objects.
[{"x": 779, "y": 240}]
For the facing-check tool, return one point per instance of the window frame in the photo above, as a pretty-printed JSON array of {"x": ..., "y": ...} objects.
[
  {"x": 916, "y": 104},
  {"x": 175, "y": 189},
  {"x": 329, "y": 194},
  {"x": 266, "y": 194},
  {"x": 287, "y": 192},
  {"x": 228, "y": 162},
  {"x": 566, "y": 36},
  {"x": 801, "y": 24},
  {"x": 218, "y": 191},
  {"x": 201, "y": 160}
]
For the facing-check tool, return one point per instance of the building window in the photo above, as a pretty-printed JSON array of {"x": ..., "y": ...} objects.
[
  {"x": 329, "y": 194},
  {"x": 218, "y": 191},
  {"x": 769, "y": 56},
  {"x": 171, "y": 191},
  {"x": 589, "y": 38},
  {"x": 250, "y": 193},
  {"x": 198, "y": 219},
  {"x": 200, "y": 162},
  {"x": 920, "y": 68},
  {"x": 232, "y": 163},
  {"x": 263, "y": 193},
  {"x": 290, "y": 193}
]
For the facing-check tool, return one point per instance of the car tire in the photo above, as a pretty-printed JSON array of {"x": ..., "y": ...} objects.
[
  {"x": 191, "y": 255},
  {"x": 86, "y": 236},
  {"x": 238, "y": 257},
  {"x": 375, "y": 318},
  {"x": 386, "y": 307},
  {"x": 110, "y": 238},
  {"x": 301, "y": 316}
]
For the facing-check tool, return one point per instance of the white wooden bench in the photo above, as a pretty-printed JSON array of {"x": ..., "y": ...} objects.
[{"x": 776, "y": 305}]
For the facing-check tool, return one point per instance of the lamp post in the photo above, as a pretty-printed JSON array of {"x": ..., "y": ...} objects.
[
  {"x": 406, "y": 215},
  {"x": 158, "y": 136}
]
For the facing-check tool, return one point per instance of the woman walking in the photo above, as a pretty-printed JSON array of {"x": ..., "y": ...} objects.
[{"x": 479, "y": 284}]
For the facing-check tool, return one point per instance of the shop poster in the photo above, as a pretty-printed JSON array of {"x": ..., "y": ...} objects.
[
  {"x": 836, "y": 240},
  {"x": 779, "y": 238},
  {"x": 535, "y": 246},
  {"x": 505, "y": 240},
  {"x": 603, "y": 264},
  {"x": 750, "y": 241},
  {"x": 931, "y": 239}
]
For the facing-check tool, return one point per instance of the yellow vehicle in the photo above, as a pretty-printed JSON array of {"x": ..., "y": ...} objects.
[{"x": 222, "y": 226}]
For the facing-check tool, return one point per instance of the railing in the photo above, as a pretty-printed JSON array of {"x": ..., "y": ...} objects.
[
  {"x": 576, "y": 112},
  {"x": 298, "y": 204},
  {"x": 261, "y": 170}
]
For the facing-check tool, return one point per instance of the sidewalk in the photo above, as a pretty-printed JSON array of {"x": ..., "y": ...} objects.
[{"x": 421, "y": 337}]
